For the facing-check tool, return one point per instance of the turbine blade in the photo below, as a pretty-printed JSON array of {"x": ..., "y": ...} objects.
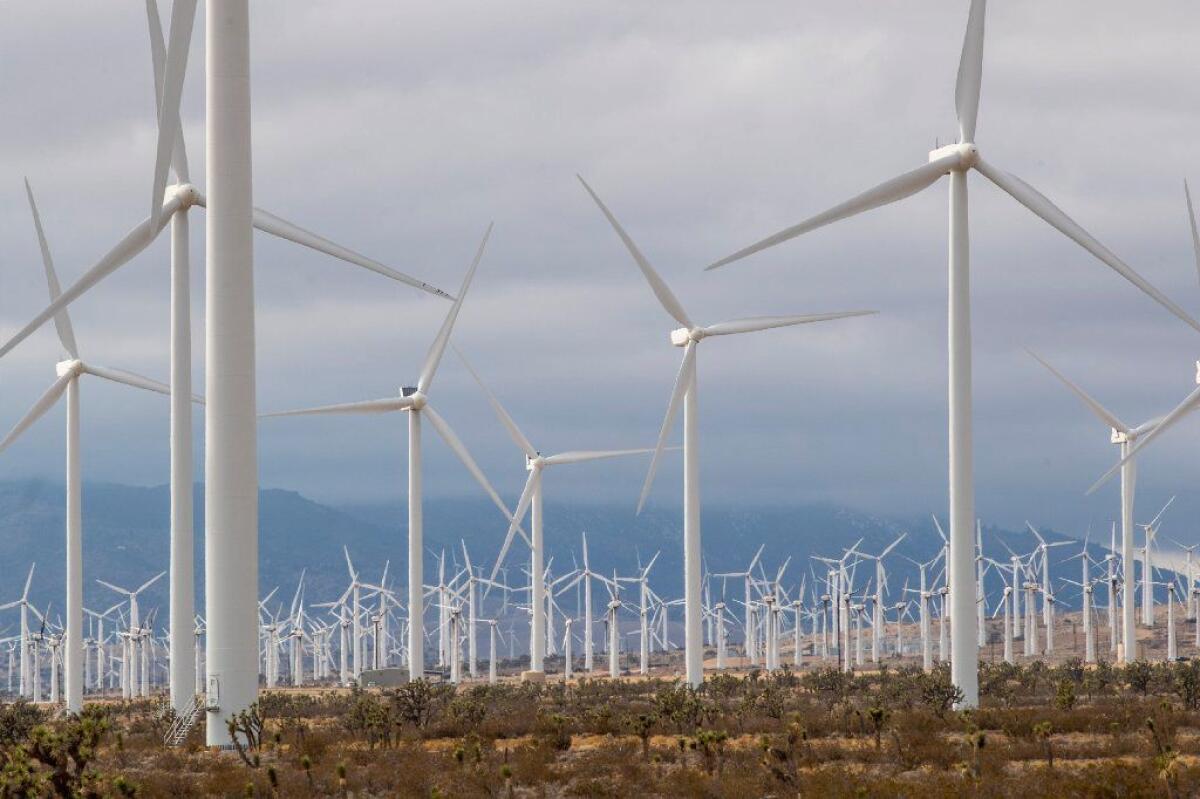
[
  {"x": 28, "y": 581},
  {"x": 129, "y": 246},
  {"x": 270, "y": 223},
  {"x": 510, "y": 425},
  {"x": 659, "y": 286},
  {"x": 183, "y": 15},
  {"x": 885, "y": 193},
  {"x": 128, "y": 378},
  {"x": 118, "y": 589},
  {"x": 1192, "y": 222},
  {"x": 518, "y": 515},
  {"x": 938, "y": 526},
  {"x": 683, "y": 382},
  {"x": 62, "y": 322},
  {"x": 45, "y": 403},
  {"x": 756, "y": 323},
  {"x": 452, "y": 440},
  {"x": 158, "y": 57},
  {"x": 149, "y": 582},
  {"x": 970, "y": 72},
  {"x": 434, "y": 357},
  {"x": 1035, "y": 201},
  {"x": 1102, "y": 413},
  {"x": 369, "y": 406},
  {"x": 582, "y": 456}
]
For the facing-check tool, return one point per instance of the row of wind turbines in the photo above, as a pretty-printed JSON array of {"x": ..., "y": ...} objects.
[{"x": 233, "y": 660}]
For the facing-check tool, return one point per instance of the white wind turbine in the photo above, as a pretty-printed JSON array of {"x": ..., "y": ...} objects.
[
  {"x": 1189, "y": 576},
  {"x": 1127, "y": 439},
  {"x": 747, "y": 577},
  {"x": 586, "y": 575},
  {"x": 69, "y": 370},
  {"x": 24, "y": 604},
  {"x": 877, "y": 621},
  {"x": 686, "y": 393},
  {"x": 956, "y": 160},
  {"x": 415, "y": 400},
  {"x": 1043, "y": 549},
  {"x": 1150, "y": 531},
  {"x": 531, "y": 501}
]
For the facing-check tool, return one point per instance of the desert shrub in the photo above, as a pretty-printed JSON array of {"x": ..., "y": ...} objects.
[{"x": 17, "y": 720}]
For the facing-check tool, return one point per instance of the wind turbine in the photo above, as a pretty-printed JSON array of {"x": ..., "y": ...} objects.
[
  {"x": 69, "y": 370},
  {"x": 531, "y": 500},
  {"x": 25, "y": 606},
  {"x": 686, "y": 390},
  {"x": 415, "y": 400},
  {"x": 1127, "y": 439},
  {"x": 747, "y": 605},
  {"x": 880, "y": 589},
  {"x": 586, "y": 575},
  {"x": 1151, "y": 532},
  {"x": 956, "y": 160},
  {"x": 1044, "y": 550}
]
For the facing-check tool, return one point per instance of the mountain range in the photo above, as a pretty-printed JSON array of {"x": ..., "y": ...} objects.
[{"x": 126, "y": 541}]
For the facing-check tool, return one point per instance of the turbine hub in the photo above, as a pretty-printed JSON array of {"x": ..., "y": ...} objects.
[
  {"x": 188, "y": 194},
  {"x": 967, "y": 152},
  {"x": 683, "y": 336},
  {"x": 73, "y": 366},
  {"x": 534, "y": 463}
]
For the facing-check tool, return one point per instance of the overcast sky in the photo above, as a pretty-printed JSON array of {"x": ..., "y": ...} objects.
[{"x": 402, "y": 129}]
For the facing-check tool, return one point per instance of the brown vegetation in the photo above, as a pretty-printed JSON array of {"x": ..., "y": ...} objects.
[{"x": 1041, "y": 731}]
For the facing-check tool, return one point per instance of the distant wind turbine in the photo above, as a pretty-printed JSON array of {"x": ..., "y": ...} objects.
[{"x": 686, "y": 393}]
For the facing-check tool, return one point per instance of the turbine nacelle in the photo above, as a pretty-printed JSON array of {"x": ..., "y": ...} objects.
[
  {"x": 1119, "y": 437},
  {"x": 419, "y": 400},
  {"x": 72, "y": 367},
  {"x": 187, "y": 194},
  {"x": 534, "y": 463},
  {"x": 683, "y": 336},
  {"x": 966, "y": 152}
]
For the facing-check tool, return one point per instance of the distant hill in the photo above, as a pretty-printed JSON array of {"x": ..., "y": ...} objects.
[{"x": 125, "y": 540}]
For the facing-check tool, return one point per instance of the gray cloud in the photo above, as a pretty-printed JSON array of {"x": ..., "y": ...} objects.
[{"x": 403, "y": 130}]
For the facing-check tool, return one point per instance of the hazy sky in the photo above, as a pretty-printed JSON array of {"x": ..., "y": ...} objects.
[{"x": 403, "y": 129}]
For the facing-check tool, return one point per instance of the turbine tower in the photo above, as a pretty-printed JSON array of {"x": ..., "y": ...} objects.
[{"x": 956, "y": 160}]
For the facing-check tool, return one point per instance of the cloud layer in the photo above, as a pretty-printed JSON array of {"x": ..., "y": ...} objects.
[{"x": 402, "y": 130}]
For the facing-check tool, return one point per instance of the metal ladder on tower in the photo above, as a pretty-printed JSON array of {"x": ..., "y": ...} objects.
[{"x": 178, "y": 732}]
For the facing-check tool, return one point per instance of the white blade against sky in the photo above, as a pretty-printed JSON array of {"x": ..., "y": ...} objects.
[
  {"x": 514, "y": 432},
  {"x": 45, "y": 403},
  {"x": 754, "y": 324},
  {"x": 158, "y": 57},
  {"x": 659, "y": 286},
  {"x": 1103, "y": 414},
  {"x": 970, "y": 73},
  {"x": 885, "y": 193},
  {"x": 62, "y": 322},
  {"x": 434, "y": 357},
  {"x": 683, "y": 381},
  {"x": 183, "y": 15},
  {"x": 1041, "y": 205}
]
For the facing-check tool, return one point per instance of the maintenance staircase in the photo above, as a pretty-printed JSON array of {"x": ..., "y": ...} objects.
[{"x": 183, "y": 723}]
